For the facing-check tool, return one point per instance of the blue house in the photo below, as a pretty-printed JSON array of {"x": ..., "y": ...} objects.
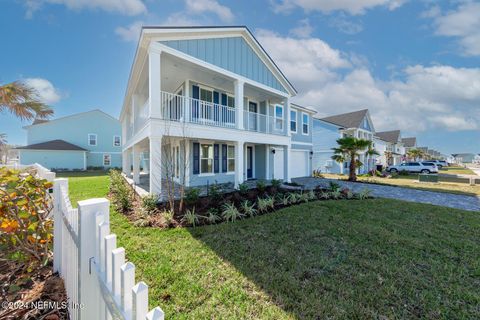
[{"x": 77, "y": 142}]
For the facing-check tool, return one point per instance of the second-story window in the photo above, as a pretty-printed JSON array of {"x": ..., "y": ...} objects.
[
  {"x": 305, "y": 123},
  {"x": 293, "y": 121},
  {"x": 116, "y": 141},
  {"x": 279, "y": 117},
  {"x": 92, "y": 139}
]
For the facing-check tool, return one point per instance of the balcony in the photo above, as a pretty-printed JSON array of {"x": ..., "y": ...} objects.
[{"x": 190, "y": 110}]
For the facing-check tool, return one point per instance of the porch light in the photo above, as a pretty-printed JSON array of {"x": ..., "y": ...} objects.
[{"x": 273, "y": 151}]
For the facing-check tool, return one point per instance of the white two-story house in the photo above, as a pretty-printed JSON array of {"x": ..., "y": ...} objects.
[
  {"x": 390, "y": 147},
  {"x": 327, "y": 130},
  {"x": 208, "y": 105}
]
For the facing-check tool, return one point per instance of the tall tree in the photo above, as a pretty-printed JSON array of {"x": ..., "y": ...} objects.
[
  {"x": 348, "y": 149},
  {"x": 22, "y": 101},
  {"x": 415, "y": 154}
]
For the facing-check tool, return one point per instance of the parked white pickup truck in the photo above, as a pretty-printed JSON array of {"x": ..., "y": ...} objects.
[{"x": 417, "y": 167}]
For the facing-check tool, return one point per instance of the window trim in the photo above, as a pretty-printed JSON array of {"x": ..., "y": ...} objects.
[
  {"x": 296, "y": 122},
  {"x": 109, "y": 159},
  {"x": 279, "y": 118},
  {"x": 96, "y": 139},
  {"x": 200, "y": 158},
  {"x": 119, "y": 140},
  {"x": 308, "y": 123},
  {"x": 234, "y": 162}
]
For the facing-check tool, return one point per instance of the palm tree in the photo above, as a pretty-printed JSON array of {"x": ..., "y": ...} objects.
[
  {"x": 415, "y": 154},
  {"x": 348, "y": 148},
  {"x": 22, "y": 101}
]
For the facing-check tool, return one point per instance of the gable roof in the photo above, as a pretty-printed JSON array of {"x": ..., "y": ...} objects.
[
  {"x": 409, "y": 142},
  {"x": 389, "y": 136},
  {"x": 53, "y": 145},
  {"x": 348, "y": 120},
  {"x": 71, "y": 115},
  {"x": 38, "y": 121}
]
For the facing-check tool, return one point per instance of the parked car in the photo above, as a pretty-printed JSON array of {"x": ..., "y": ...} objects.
[
  {"x": 441, "y": 163},
  {"x": 417, "y": 167}
]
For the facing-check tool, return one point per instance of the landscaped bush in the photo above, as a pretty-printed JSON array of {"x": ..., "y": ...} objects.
[
  {"x": 122, "y": 193},
  {"x": 230, "y": 212},
  {"x": 149, "y": 203},
  {"x": 276, "y": 183},
  {"x": 212, "y": 216},
  {"x": 243, "y": 188},
  {"x": 403, "y": 173},
  {"x": 191, "y": 196},
  {"x": 25, "y": 205},
  {"x": 333, "y": 186},
  {"x": 248, "y": 208},
  {"x": 261, "y": 187},
  {"x": 191, "y": 218},
  {"x": 215, "y": 192}
]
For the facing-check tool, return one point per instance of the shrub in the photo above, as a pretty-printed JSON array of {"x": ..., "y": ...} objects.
[
  {"x": 212, "y": 215},
  {"x": 333, "y": 186},
  {"x": 276, "y": 183},
  {"x": 265, "y": 204},
  {"x": 215, "y": 192},
  {"x": 191, "y": 196},
  {"x": 293, "y": 198},
  {"x": 149, "y": 203},
  {"x": 364, "y": 194},
  {"x": 337, "y": 194},
  {"x": 25, "y": 205},
  {"x": 243, "y": 188},
  {"x": 261, "y": 186},
  {"x": 317, "y": 173},
  {"x": 248, "y": 208},
  {"x": 311, "y": 195},
  {"x": 190, "y": 218},
  {"x": 121, "y": 192},
  {"x": 230, "y": 212},
  {"x": 168, "y": 216},
  {"x": 284, "y": 200},
  {"x": 403, "y": 173},
  {"x": 325, "y": 195},
  {"x": 303, "y": 197}
]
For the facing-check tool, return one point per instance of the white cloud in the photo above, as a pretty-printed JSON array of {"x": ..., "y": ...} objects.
[
  {"x": 342, "y": 24},
  {"x": 462, "y": 23},
  {"x": 422, "y": 98},
  {"x": 303, "y": 30},
  {"x": 131, "y": 32},
  {"x": 353, "y": 7},
  {"x": 126, "y": 7},
  {"x": 47, "y": 93},
  {"x": 210, "y": 6}
]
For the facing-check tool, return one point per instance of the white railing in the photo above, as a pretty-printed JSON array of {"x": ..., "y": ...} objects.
[
  {"x": 185, "y": 109},
  {"x": 257, "y": 122},
  {"x": 99, "y": 284}
]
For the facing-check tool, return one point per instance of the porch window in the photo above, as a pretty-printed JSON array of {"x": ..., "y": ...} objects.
[
  {"x": 305, "y": 123},
  {"x": 279, "y": 117},
  {"x": 230, "y": 102},
  {"x": 116, "y": 141},
  {"x": 231, "y": 158},
  {"x": 293, "y": 121},
  {"x": 92, "y": 139},
  {"x": 206, "y": 158},
  {"x": 107, "y": 160}
]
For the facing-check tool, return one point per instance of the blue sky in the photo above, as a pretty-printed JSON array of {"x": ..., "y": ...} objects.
[{"x": 414, "y": 64}]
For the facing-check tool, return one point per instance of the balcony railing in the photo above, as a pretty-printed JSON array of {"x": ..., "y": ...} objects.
[{"x": 185, "y": 109}]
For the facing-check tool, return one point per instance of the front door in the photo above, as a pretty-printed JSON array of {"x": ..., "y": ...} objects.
[{"x": 249, "y": 162}]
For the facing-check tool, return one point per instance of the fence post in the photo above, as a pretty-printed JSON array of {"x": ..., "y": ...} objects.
[
  {"x": 88, "y": 286},
  {"x": 156, "y": 314},
  {"x": 58, "y": 222},
  {"x": 139, "y": 301}
]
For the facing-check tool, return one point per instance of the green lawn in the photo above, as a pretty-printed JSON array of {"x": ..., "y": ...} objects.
[
  {"x": 332, "y": 259},
  {"x": 456, "y": 170}
]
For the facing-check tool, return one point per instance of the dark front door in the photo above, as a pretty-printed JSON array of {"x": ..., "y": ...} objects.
[
  {"x": 249, "y": 162},
  {"x": 252, "y": 116}
]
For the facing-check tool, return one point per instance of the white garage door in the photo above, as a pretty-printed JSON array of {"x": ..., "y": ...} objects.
[
  {"x": 278, "y": 164},
  {"x": 299, "y": 164}
]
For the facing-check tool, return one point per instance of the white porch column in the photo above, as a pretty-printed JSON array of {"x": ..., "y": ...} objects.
[
  {"x": 287, "y": 116},
  {"x": 239, "y": 103},
  {"x": 286, "y": 163},
  {"x": 187, "y": 109},
  {"x": 134, "y": 111},
  {"x": 239, "y": 162},
  {"x": 136, "y": 164},
  {"x": 154, "y": 84},
  {"x": 267, "y": 161},
  {"x": 155, "y": 165}
]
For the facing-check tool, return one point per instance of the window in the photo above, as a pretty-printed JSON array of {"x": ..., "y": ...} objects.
[
  {"x": 92, "y": 139},
  {"x": 231, "y": 158},
  {"x": 231, "y": 102},
  {"x": 293, "y": 121},
  {"x": 206, "y": 158},
  {"x": 278, "y": 117},
  {"x": 116, "y": 141},
  {"x": 305, "y": 123},
  {"x": 107, "y": 160},
  {"x": 206, "y": 95}
]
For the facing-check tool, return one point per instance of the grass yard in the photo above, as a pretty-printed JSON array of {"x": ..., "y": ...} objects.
[
  {"x": 330, "y": 259},
  {"x": 410, "y": 181},
  {"x": 456, "y": 170}
]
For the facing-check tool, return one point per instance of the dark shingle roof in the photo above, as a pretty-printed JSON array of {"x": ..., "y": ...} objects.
[
  {"x": 409, "y": 142},
  {"x": 53, "y": 145},
  {"x": 38, "y": 121},
  {"x": 389, "y": 136},
  {"x": 348, "y": 120}
]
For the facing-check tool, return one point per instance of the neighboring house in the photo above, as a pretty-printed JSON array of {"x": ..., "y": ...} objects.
[
  {"x": 463, "y": 157},
  {"x": 76, "y": 142},
  {"x": 327, "y": 130},
  {"x": 207, "y": 105},
  {"x": 390, "y": 147},
  {"x": 409, "y": 143},
  {"x": 476, "y": 159}
]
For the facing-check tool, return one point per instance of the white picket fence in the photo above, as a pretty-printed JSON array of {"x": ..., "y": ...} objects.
[{"x": 99, "y": 284}]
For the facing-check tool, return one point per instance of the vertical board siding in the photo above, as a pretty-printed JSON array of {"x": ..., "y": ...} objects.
[{"x": 233, "y": 54}]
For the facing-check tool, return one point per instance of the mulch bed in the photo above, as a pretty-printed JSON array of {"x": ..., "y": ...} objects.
[{"x": 36, "y": 288}]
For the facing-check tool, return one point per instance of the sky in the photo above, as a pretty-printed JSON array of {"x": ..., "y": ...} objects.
[{"x": 415, "y": 64}]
